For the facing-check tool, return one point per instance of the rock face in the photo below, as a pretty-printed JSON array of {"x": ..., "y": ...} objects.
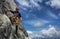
[
  {"x": 7, "y": 30},
  {"x": 12, "y": 4}
]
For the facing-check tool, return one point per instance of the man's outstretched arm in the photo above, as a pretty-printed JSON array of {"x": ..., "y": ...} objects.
[{"x": 12, "y": 11}]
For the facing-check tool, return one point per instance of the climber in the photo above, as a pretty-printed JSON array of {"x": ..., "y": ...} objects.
[
  {"x": 16, "y": 18},
  {"x": 16, "y": 14}
]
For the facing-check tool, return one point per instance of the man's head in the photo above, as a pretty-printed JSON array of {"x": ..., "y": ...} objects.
[{"x": 17, "y": 8}]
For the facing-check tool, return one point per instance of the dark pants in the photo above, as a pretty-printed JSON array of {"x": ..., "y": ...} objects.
[{"x": 16, "y": 29}]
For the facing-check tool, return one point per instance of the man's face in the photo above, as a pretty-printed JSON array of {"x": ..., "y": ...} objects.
[{"x": 17, "y": 10}]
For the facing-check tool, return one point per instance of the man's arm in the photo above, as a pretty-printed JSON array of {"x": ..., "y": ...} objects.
[
  {"x": 20, "y": 16},
  {"x": 12, "y": 11}
]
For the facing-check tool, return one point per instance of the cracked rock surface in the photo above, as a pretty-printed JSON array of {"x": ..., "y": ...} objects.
[{"x": 7, "y": 30}]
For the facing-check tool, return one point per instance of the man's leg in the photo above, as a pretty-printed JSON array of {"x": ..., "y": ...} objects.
[
  {"x": 16, "y": 29},
  {"x": 11, "y": 20}
]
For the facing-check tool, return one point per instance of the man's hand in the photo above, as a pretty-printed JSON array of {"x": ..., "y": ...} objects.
[{"x": 21, "y": 18}]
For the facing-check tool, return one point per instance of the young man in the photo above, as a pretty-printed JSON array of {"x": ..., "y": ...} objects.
[
  {"x": 16, "y": 13},
  {"x": 16, "y": 18}
]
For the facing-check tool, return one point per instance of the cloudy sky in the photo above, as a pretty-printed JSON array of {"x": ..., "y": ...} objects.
[{"x": 41, "y": 18}]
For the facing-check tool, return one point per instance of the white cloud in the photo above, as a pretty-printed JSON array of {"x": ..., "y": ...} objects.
[
  {"x": 51, "y": 32},
  {"x": 23, "y": 2},
  {"x": 34, "y": 3},
  {"x": 29, "y": 32},
  {"x": 30, "y": 3},
  {"x": 52, "y": 15},
  {"x": 40, "y": 23},
  {"x": 33, "y": 34},
  {"x": 36, "y": 23},
  {"x": 32, "y": 15},
  {"x": 46, "y": 33},
  {"x": 54, "y": 3}
]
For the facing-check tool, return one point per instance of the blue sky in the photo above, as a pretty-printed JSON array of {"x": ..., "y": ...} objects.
[{"x": 40, "y": 16}]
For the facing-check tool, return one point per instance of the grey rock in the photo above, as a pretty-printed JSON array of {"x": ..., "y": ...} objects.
[{"x": 7, "y": 29}]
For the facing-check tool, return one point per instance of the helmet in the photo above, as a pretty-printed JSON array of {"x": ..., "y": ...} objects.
[{"x": 17, "y": 8}]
